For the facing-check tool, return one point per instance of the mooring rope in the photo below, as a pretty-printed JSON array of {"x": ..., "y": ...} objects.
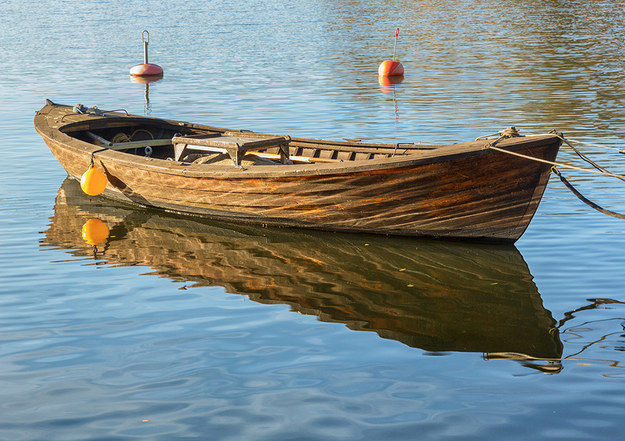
[
  {"x": 509, "y": 132},
  {"x": 600, "y": 170},
  {"x": 597, "y": 145},
  {"x": 556, "y": 164},
  {"x": 587, "y": 159},
  {"x": 583, "y": 198}
]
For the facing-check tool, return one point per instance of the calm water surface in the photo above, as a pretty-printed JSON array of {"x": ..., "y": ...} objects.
[{"x": 175, "y": 328}]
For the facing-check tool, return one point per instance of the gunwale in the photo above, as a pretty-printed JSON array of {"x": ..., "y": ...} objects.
[{"x": 419, "y": 153}]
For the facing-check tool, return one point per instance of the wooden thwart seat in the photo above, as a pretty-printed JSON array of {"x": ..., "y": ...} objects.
[{"x": 235, "y": 144}]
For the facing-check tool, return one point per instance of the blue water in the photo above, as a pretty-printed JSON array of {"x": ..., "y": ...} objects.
[{"x": 179, "y": 330}]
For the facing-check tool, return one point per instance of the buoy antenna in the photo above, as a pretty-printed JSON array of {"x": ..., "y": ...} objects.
[
  {"x": 146, "y": 69},
  {"x": 145, "y": 37},
  {"x": 394, "y": 47}
]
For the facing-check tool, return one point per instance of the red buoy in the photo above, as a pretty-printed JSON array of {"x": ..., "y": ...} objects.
[
  {"x": 145, "y": 79},
  {"x": 390, "y": 68},
  {"x": 146, "y": 69}
]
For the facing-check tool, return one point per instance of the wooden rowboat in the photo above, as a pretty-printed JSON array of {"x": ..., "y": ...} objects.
[{"x": 457, "y": 191}]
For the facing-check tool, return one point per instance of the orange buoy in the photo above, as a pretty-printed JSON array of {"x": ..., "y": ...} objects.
[
  {"x": 93, "y": 181},
  {"x": 390, "y": 83},
  {"x": 94, "y": 232},
  {"x": 146, "y": 69},
  {"x": 390, "y": 68}
]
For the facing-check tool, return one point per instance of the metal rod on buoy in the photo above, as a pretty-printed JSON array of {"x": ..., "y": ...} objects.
[
  {"x": 147, "y": 40},
  {"x": 146, "y": 69},
  {"x": 394, "y": 47}
]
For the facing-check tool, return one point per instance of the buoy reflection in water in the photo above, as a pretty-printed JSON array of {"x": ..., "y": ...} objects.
[{"x": 95, "y": 232}]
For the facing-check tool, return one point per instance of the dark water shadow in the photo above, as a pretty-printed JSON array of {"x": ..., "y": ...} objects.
[{"x": 433, "y": 295}]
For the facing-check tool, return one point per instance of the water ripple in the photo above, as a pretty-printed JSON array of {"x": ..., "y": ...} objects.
[{"x": 182, "y": 330}]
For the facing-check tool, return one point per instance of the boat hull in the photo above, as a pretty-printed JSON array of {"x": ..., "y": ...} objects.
[{"x": 460, "y": 191}]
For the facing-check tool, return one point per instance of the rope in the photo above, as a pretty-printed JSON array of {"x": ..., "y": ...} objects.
[
  {"x": 584, "y": 199},
  {"x": 509, "y": 132},
  {"x": 81, "y": 109},
  {"x": 588, "y": 160},
  {"x": 556, "y": 164},
  {"x": 597, "y": 145},
  {"x": 600, "y": 170},
  {"x": 93, "y": 155}
]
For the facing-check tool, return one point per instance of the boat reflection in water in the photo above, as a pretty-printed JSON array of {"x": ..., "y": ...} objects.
[{"x": 434, "y": 295}]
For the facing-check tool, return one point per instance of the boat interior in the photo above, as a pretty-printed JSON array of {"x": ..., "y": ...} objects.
[{"x": 208, "y": 145}]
